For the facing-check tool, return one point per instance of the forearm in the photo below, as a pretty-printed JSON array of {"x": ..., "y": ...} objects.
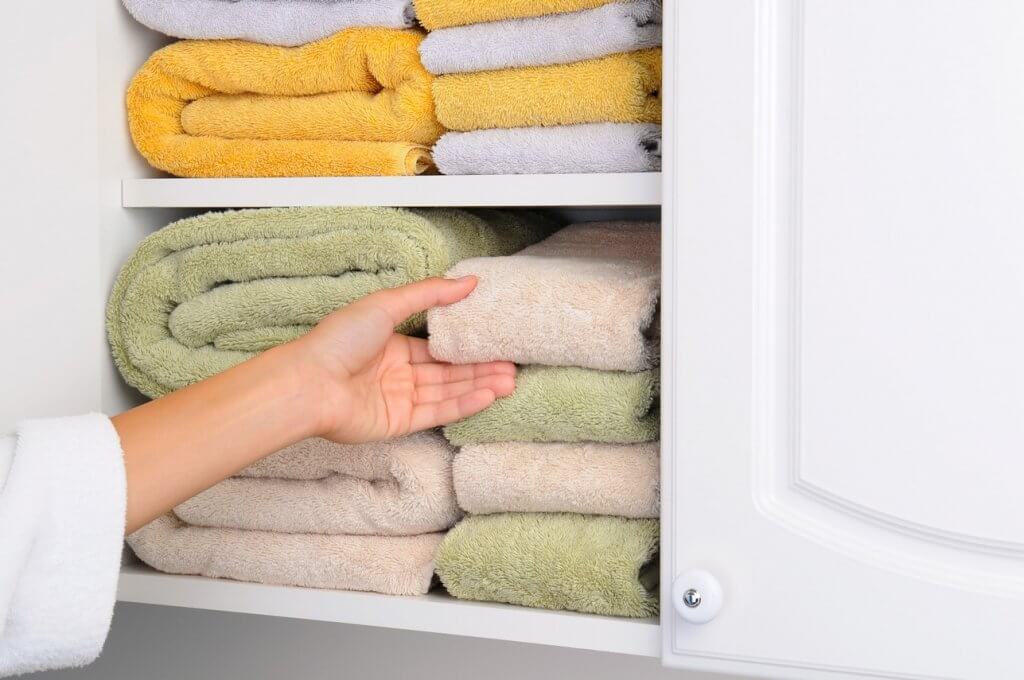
[{"x": 188, "y": 441}]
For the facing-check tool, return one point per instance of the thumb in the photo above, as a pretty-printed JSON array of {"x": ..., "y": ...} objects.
[{"x": 401, "y": 303}]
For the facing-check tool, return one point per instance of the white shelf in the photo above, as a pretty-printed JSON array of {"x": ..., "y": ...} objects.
[
  {"x": 434, "y": 613},
  {"x": 640, "y": 189}
]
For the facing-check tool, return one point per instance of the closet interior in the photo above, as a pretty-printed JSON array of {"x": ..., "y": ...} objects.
[{"x": 138, "y": 200}]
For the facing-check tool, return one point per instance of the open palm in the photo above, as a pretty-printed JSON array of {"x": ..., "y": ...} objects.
[{"x": 376, "y": 384}]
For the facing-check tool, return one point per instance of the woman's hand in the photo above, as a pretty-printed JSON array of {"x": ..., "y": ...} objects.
[
  {"x": 372, "y": 383},
  {"x": 351, "y": 379}
]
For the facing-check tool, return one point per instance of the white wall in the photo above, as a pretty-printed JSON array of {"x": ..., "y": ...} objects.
[{"x": 156, "y": 643}]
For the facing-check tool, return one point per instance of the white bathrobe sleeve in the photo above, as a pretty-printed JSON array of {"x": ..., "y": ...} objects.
[{"x": 62, "y": 518}]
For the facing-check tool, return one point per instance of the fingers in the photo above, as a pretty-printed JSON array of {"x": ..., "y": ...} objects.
[
  {"x": 436, "y": 414},
  {"x": 437, "y": 373},
  {"x": 500, "y": 385},
  {"x": 401, "y": 303}
]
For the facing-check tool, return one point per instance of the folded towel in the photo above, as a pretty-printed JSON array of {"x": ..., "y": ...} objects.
[
  {"x": 549, "y": 39},
  {"x": 208, "y": 292},
  {"x": 395, "y": 488},
  {"x": 435, "y": 14},
  {"x": 567, "y": 404},
  {"x": 394, "y": 565},
  {"x": 356, "y": 103},
  {"x": 279, "y": 22},
  {"x": 586, "y": 478},
  {"x": 563, "y": 149},
  {"x": 599, "y": 565},
  {"x": 621, "y": 88},
  {"x": 587, "y": 296}
]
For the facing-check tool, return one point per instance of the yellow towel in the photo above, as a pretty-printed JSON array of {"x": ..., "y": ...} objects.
[
  {"x": 621, "y": 88},
  {"x": 435, "y": 14},
  {"x": 356, "y": 103}
]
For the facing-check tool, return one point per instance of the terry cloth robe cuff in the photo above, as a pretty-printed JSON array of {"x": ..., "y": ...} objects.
[{"x": 62, "y": 519}]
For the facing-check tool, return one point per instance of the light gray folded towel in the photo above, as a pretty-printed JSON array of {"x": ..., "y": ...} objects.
[
  {"x": 549, "y": 39},
  {"x": 274, "y": 22},
  {"x": 394, "y": 565},
  {"x": 586, "y": 478},
  {"x": 400, "y": 487},
  {"x": 566, "y": 149},
  {"x": 586, "y": 296}
]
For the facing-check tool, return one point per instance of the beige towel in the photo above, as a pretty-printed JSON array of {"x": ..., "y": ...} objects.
[
  {"x": 588, "y": 479},
  {"x": 394, "y": 565},
  {"x": 587, "y": 296},
  {"x": 395, "y": 488}
]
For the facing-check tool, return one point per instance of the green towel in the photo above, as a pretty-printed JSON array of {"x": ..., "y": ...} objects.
[
  {"x": 567, "y": 404},
  {"x": 208, "y": 292},
  {"x": 593, "y": 564}
]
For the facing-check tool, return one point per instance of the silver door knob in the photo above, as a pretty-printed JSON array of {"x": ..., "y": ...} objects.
[{"x": 697, "y": 596}]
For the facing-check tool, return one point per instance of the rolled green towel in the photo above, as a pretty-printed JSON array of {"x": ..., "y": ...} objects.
[
  {"x": 593, "y": 564},
  {"x": 209, "y": 292},
  {"x": 568, "y": 404}
]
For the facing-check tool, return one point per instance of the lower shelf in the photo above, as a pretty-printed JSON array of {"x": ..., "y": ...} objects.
[{"x": 434, "y": 613}]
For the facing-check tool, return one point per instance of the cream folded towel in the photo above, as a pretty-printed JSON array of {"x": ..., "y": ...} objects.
[
  {"x": 274, "y": 22},
  {"x": 544, "y": 40},
  {"x": 587, "y": 478},
  {"x": 395, "y": 488},
  {"x": 564, "y": 149},
  {"x": 394, "y": 565},
  {"x": 586, "y": 296}
]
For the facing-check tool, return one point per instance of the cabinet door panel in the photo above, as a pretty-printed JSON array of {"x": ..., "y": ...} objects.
[
  {"x": 51, "y": 347},
  {"x": 845, "y": 382}
]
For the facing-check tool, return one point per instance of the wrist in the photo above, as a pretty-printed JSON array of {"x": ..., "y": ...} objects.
[{"x": 297, "y": 386}]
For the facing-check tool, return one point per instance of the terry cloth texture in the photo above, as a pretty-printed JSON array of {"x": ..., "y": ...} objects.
[
  {"x": 587, "y": 296},
  {"x": 394, "y": 488},
  {"x": 563, "y": 149},
  {"x": 586, "y": 478},
  {"x": 394, "y": 565},
  {"x": 599, "y": 565},
  {"x": 549, "y": 39},
  {"x": 208, "y": 292},
  {"x": 62, "y": 508},
  {"x": 277, "y": 22},
  {"x": 568, "y": 404},
  {"x": 621, "y": 88},
  {"x": 435, "y": 14},
  {"x": 356, "y": 103}
]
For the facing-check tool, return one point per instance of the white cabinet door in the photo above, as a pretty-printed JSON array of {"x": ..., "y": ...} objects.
[
  {"x": 844, "y": 400},
  {"x": 51, "y": 296}
]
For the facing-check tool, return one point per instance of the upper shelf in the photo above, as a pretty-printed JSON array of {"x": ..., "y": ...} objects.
[
  {"x": 641, "y": 189},
  {"x": 434, "y": 613}
]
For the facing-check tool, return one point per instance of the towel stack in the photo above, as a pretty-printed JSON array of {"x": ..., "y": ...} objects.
[
  {"x": 317, "y": 514},
  {"x": 302, "y": 88},
  {"x": 535, "y": 87},
  {"x": 561, "y": 479}
]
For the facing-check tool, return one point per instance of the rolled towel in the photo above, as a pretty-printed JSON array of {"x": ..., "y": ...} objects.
[
  {"x": 208, "y": 292},
  {"x": 563, "y": 149},
  {"x": 394, "y": 488},
  {"x": 279, "y": 22},
  {"x": 586, "y": 478},
  {"x": 540, "y": 41},
  {"x": 621, "y": 88},
  {"x": 356, "y": 103},
  {"x": 586, "y": 296},
  {"x": 435, "y": 14},
  {"x": 599, "y": 565},
  {"x": 567, "y": 404},
  {"x": 393, "y": 565}
]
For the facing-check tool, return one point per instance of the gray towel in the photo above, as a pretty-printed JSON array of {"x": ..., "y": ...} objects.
[
  {"x": 544, "y": 40},
  {"x": 567, "y": 149},
  {"x": 274, "y": 22}
]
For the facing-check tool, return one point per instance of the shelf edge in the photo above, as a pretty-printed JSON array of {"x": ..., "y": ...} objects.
[{"x": 435, "y": 613}]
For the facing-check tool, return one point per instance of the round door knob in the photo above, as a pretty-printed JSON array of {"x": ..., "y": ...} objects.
[{"x": 697, "y": 596}]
